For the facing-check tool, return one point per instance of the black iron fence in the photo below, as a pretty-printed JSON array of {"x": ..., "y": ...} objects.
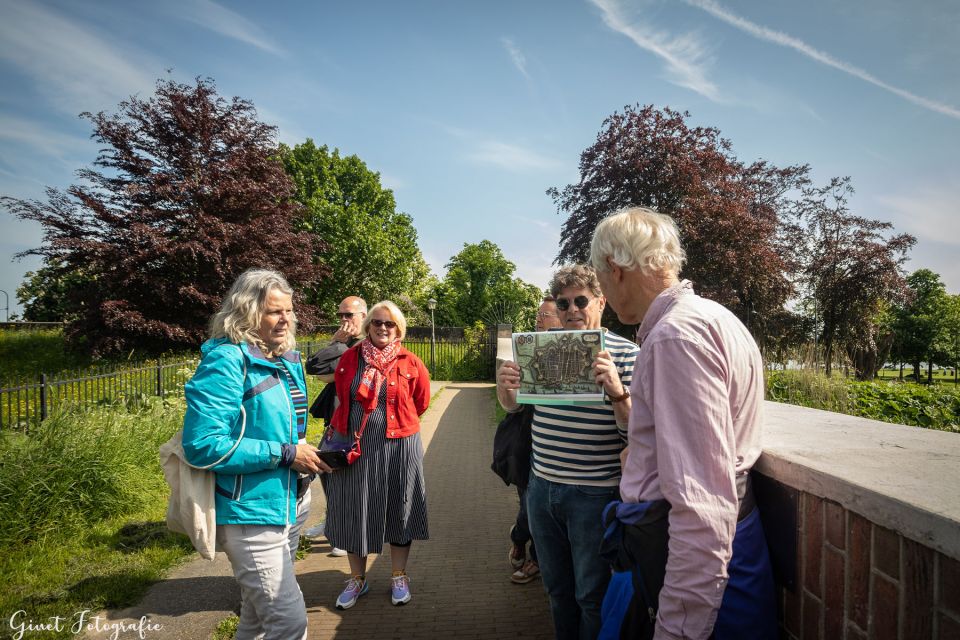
[
  {"x": 29, "y": 326},
  {"x": 454, "y": 356},
  {"x": 24, "y": 405}
]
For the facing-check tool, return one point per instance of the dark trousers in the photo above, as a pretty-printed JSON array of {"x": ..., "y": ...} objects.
[{"x": 520, "y": 534}]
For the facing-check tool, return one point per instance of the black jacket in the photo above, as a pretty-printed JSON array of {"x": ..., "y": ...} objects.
[
  {"x": 324, "y": 362},
  {"x": 511, "y": 447}
]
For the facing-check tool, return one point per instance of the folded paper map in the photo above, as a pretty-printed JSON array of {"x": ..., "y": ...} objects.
[{"x": 556, "y": 367}]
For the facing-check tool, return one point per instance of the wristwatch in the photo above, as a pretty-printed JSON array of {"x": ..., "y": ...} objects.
[{"x": 620, "y": 398}]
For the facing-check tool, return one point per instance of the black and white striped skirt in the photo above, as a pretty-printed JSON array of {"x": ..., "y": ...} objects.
[{"x": 382, "y": 496}]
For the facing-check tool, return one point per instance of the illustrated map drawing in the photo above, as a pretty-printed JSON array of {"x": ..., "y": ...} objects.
[{"x": 556, "y": 367}]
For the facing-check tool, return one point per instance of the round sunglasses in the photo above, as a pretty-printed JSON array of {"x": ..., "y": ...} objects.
[
  {"x": 389, "y": 324},
  {"x": 581, "y": 301}
]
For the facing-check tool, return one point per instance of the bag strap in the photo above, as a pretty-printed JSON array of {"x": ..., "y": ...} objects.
[{"x": 243, "y": 423}]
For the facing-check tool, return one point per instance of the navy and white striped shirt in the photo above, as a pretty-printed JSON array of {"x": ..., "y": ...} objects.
[
  {"x": 298, "y": 397},
  {"x": 581, "y": 444}
]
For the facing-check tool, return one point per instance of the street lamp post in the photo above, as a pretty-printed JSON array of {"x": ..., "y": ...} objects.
[
  {"x": 432, "y": 304},
  {"x": 7, "y": 307}
]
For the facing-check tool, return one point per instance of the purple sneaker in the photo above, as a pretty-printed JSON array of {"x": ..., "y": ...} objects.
[
  {"x": 356, "y": 587},
  {"x": 400, "y": 589}
]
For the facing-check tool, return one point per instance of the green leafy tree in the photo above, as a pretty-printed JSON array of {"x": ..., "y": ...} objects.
[
  {"x": 479, "y": 285},
  {"x": 46, "y": 294},
  {"x": 949, "y": 341},
  {"x": 922, "y": 323},
  {"x": 372, "y": 248}
]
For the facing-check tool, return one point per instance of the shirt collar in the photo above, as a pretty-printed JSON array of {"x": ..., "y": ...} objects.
[{"x": 660, "y": 305}]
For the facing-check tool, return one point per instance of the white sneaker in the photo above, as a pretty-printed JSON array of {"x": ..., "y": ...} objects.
[
  {"x": 337, "y": 552},
  {"x": 315, "y": 532}
]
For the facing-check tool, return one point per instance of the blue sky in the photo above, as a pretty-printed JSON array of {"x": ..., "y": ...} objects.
[{"x": 470, "y": 111}]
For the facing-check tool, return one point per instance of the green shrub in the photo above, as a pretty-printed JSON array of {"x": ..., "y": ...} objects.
[
  {"x": 77, "y": 469},
  {"x": 929, "y": 406},
  {"x": 82, "y": 504}
]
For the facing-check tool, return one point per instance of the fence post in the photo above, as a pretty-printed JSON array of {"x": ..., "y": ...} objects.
[
  {"x": 43, "y": 397},
  {"x": 160, "y": 379}
]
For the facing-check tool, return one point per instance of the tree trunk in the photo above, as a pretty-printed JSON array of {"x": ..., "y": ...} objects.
[{"x": 929, "y": 370}]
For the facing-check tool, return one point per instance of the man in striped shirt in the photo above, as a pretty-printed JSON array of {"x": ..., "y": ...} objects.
[{"x": 575, "y": 467}]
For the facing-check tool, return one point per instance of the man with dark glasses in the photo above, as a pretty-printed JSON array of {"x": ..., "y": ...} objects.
[
  {"x": 524, "y": 561},
  {"x": 702, "y": 568},
  {"x": 576, "y": 463},
  {"x": 323, "y": 363}
]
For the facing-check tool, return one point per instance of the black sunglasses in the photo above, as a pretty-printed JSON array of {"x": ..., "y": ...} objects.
[
  {"x": 344, "y": 316},
  {"x": 389, "y": 324},
  {"x": 581, "y": 301}
]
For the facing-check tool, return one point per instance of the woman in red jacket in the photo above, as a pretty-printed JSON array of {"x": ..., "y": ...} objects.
[{"x": 382, "y": 389}]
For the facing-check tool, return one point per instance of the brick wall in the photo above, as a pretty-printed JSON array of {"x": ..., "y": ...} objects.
[{"x": 857, "y": 580}]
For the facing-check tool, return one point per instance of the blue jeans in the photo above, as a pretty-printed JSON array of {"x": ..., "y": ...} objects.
[
  {"x": 520, "y": 533},
  {"x": 567, "y": 529}
]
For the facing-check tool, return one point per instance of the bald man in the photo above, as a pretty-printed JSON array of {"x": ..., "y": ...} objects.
[
  {"x": 351, "y": 312},
  {"x": 323, "y": 363}
]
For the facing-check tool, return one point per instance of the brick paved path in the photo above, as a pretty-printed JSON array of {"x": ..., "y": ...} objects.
[{"x": 459, "y": 578}]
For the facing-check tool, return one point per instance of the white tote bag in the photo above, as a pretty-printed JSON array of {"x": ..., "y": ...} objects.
[{"x": 192, "y": 506}]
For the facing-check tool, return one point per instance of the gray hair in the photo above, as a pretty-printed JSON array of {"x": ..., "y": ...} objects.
[
  {"x": 638, "y": 238},
  {"x": 395, "y": 314},
  {"x": 580, "y": 276},
  {"x": 242, "y": 309}
]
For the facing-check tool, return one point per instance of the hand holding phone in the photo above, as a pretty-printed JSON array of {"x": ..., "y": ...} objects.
[{"x": 334, "y": 459}]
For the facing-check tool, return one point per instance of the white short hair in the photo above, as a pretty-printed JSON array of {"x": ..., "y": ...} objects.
[
  {"x": 638, "y": 238},
  {"x": 239, "y": 316}
]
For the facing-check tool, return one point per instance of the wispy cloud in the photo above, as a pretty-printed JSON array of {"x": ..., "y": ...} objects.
[
  {"x": 219, "y": 19},
  {"x": 488, "y": 150},
  {"x": 511, "y": 157},
  {"x": 926, "y": 211},
  {"x": 519, "y": 61},
  {"x": 39, "y": 137},
  {"x": 685, "y": 55},
  {"x": 785, "y": 40},
  {"x": 392, "y": 182},
  {"x": 73, "y": 65}
]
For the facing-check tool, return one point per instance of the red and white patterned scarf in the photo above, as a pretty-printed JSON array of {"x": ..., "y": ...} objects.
[{"x": 378, "y": 364}]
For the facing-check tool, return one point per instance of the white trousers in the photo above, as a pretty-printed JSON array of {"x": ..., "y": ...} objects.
[{"x": 262, "y": 559}]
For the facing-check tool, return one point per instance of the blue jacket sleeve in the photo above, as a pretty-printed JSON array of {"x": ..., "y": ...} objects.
[{"x": 212, "y": 421}]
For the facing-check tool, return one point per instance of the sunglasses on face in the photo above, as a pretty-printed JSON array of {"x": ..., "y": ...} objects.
[
  {"x": 389, "y": 324},
  {"x": 346, "y": 316},
  {"x": 581, "y": 301}
]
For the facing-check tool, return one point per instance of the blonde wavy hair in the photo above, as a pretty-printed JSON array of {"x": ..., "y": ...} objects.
[
  {"x": 239, "y": 316},
  {"x": 395, "y": 314}
]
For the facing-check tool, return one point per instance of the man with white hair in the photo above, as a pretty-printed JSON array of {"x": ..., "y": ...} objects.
[{"x": 693, "y": 436}]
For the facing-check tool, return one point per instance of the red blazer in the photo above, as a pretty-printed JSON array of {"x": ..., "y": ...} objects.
[{"x": 408, "y": 392}]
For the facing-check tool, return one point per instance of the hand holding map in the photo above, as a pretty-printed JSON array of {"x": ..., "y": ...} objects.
[{"x": 557, "y": 366}]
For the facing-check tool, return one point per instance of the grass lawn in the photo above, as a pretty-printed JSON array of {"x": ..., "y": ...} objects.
[
  {"x": 82, "y": 506},
  {"x": 939, "y": 375},
  {"x": 82, "y": 509}
]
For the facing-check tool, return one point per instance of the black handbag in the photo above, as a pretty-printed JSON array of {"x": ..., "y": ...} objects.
[{"x": 511, "y": 447}]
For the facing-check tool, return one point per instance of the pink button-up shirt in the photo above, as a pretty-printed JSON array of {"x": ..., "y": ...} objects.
[{"x": 695, "y": 424}]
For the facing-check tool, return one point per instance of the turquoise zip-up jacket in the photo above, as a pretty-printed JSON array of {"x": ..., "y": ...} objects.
[{"x": 251, "y": 486}]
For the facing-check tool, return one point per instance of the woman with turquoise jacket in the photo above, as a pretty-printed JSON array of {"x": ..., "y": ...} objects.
[{"x": 246, "y": 416}]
